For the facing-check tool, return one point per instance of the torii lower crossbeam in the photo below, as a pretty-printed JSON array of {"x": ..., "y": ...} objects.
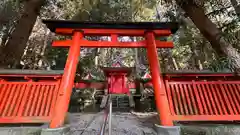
[{"x": 107, "y": 44}]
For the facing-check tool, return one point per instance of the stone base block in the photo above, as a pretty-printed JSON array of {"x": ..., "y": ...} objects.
[
  {"x": 20, "y": 131},
  {"x": 167, "y": 130},
  {"x": 56, "y": 131}
]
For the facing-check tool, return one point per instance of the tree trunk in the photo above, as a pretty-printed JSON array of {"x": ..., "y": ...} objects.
[
  {"x": 12, "y": 52},
  {"x": 197, "y": 65},
  {"x": 142, "y": 61},
  {"x": 137, "y": 69},
  {"x": 236, "y": 7},
  {"x": 210, "y": 31},
  {"x": 96, "y": 59}
]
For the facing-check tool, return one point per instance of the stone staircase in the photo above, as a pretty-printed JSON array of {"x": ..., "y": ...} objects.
[{"x": 120, "y": 103}]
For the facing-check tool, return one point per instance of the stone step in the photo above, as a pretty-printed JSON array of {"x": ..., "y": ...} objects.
[{"x": 120, "y": 102}]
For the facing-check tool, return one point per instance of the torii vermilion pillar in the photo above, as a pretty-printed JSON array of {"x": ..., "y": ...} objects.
[{"x": 148, "y": 30}]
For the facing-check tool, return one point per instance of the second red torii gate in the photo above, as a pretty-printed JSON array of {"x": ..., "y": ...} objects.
[{"x": 78, "y": 30}]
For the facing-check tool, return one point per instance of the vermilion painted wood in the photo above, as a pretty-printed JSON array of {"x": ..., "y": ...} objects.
[
  {"x": 157, "y": 81},
  {"x": 186, "y": 110},
  {"x": 117, "y": 84},
  {"x": 212, "y": 102},
  {"x": 65, "y": 89},
  {"x": 4, "y": 97},
  {"x": 35, "y": 100},
  {"x": 21, "y": 103},
  {"x": 186, "y": 92},
  {"x": 24, "y": 99},
  {"x": 116, "y": 80},
  {"x": 15, "y": 98},
  {"x": 208, "y": 118},
  {"x": 218, "y": 100},
  {"x": 215, "y": 98},
  {"x": 9, "y": 100},
  {"x": 97, "y": 85},
  {"x": 169, "y": 94},
  {"x": 48, "y": 101},
  {"x": 27, "y": 106},
  {"x": 198, "y": 100},
  {"x": 217, "y": 105},
  {"x": 15, "y": 111},
  {"x": 54, "y": 98},
  {"x": 114, "y": 38},
  {"x": 45, "y": 94},
  {"x": 112, "y": 44},
  {"x": 39, "y": 101},
  {"x": 179, "y": 99},
  {"x": 207, "y": 99},
  {"x": 202, "y": 98},
  {"x": 193, "y": 99},
  {"x": 181, "y": 76},
  {"x": 174, "y": 99},
  {"x": 235, "y": 96},
  {"x": 229, "y": 101},
  {"x": 108, "y": 32}
]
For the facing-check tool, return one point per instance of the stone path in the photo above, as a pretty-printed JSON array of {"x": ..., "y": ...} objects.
[{"x": 122, "y": 124}]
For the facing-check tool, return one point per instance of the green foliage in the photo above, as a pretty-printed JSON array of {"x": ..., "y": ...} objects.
[
  {"x": 57, "y": 57},
  {"x": 221, "y": 64},
  {"x": 190, "y": 46}
]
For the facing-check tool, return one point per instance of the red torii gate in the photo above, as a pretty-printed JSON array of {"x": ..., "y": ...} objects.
[
  {"x": 78, "y": 30},
  {"x": 31, "y": 96}
]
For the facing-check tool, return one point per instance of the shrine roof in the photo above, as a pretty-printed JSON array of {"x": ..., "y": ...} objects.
[
  {"x": 108, "y": 70},
  {"x": 53, "y": 24}
]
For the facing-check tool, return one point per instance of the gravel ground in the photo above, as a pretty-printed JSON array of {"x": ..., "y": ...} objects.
[
  {"x": 122, "y": 123},
  {"x": 140, "y": 124}
]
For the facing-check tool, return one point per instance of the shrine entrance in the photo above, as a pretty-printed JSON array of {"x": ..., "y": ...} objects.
[{"x": 116, "y": 76}]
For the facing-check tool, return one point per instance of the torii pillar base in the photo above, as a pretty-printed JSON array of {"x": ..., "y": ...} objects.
[
  {"x": 167, "y": 130},
  {"x": 56, "y": 131}
]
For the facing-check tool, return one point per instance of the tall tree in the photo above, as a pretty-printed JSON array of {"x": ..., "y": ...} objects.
[
  {"x": 11, "y": 53},
  {"x": 210, "y": 31},
  {"x": 236, "y": 7}
]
